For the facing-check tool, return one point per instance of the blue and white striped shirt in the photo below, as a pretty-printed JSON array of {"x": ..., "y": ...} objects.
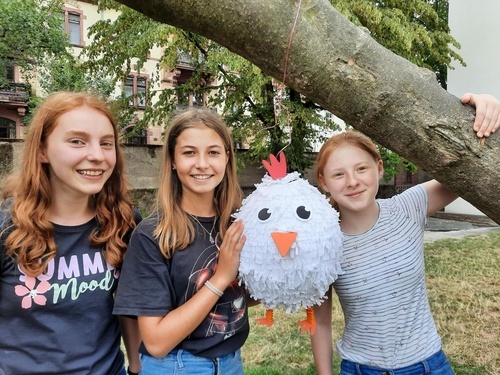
[{"x": 383, "y": 293}]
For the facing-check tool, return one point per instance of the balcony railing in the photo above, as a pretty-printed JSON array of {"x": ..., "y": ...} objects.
[
  {"x": 401, "y": 188},
  {"x": 14, "y": 93}
]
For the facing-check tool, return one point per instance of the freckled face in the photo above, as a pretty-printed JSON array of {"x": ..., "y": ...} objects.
[
  {"x": 351, "y": 176},
  {"x": 200, "y": 160},
  {"x": 80, "y": 153}
]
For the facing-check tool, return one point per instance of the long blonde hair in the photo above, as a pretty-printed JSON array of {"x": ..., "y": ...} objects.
[
  {"x": 174, "y": 230},
  {"x": 351, "y": 137},
  {"x": 31, "y": 238}
]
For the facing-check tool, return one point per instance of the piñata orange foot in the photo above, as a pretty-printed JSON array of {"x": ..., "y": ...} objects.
[
  {"x": 268, "y": 320},
  {"x": 309, "y": 324}
]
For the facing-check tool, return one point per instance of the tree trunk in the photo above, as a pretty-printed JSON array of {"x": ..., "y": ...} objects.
[{"x": 339, "y": 66}]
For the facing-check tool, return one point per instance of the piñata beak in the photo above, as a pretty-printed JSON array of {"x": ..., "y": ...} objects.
[{"x": 284, "y": 241}]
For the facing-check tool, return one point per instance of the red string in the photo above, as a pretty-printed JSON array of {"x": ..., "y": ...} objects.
[
  {"x": 281, "y": 87},
  {"x": 290, "y": 38}
]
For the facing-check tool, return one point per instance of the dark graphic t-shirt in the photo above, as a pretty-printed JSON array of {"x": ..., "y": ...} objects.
[
  {"x": 60, "y": 322},
  {"x": 152, "y": 285}
]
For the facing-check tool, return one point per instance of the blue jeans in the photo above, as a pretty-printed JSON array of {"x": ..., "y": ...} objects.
[
  {"x": 436, "y": 364},
  {"x": 183, "y": 362}
]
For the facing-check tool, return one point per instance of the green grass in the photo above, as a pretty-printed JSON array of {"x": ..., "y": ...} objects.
[
  {"x": 280, "y": 349},
  {"x": 463, "y": 279}
]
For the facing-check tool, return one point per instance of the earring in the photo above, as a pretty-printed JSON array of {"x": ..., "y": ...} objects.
[{"x": 173, "y": 167}]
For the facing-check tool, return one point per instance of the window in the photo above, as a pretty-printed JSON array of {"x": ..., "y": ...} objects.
[
  {"x": 73, "y": 26},
  {"x": 135, "y": 136},
  {"x": 186, "y": 97},
  {"x": 7, "y": 70},
  {"x": 409, "y": 177},
  {"x": 7, "y": 128},
  {"x": 135, "y": 89},
  {"x": 191, "y": 99},
  {"x": 10, "y": 73}
]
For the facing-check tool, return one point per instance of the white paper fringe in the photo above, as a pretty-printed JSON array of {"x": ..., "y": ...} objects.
[{"x": 304, "y": 275}]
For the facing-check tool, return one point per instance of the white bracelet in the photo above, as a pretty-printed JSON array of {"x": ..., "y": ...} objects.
[{"x": 213, "y": 288}]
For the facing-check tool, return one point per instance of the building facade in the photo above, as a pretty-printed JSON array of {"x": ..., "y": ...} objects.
[{"x": 78, "y": 17}]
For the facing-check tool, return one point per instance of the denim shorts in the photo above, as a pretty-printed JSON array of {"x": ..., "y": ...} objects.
[
  {"x": 183, "y": 362},
  {"x": 436, "y": 364}
]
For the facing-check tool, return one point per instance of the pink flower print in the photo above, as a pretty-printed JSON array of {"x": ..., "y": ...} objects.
[{"x": 31, "y": 293}]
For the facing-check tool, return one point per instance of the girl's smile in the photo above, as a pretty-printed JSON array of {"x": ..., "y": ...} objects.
[{"x": 91, "y": 173}]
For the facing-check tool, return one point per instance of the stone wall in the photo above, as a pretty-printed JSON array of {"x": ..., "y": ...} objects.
[
  {"x": 10, "y": 158},
  {"x": 143, "y": 171},
  {"x": 6, "y": 160},
  {"x": 142, "y": 168}
]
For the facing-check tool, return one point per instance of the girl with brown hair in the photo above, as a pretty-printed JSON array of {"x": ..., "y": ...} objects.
[{"x": 179, "y": 275}]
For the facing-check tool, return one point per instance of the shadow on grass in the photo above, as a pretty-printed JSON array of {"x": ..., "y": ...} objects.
[
  {"x": 461, "y": 369},
  {"x": 264, "y": 370}
]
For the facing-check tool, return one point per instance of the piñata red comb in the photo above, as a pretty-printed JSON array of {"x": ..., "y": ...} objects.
[{"x": 277, "y": 168}]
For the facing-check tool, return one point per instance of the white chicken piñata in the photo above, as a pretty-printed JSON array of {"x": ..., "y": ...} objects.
[{"x": 294, "y": 243}]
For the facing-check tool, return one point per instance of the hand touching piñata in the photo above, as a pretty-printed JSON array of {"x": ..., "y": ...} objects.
[{"x": 294, "y": 243}]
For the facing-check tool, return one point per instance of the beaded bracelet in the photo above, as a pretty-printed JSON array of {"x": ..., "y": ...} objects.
[{"x": 213, "y": 288}]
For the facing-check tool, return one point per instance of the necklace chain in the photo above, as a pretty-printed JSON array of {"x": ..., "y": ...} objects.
[{"x": 210, "y": 236}]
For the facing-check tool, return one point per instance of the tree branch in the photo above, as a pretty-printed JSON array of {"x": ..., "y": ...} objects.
[{"x": 340, "y": 67}]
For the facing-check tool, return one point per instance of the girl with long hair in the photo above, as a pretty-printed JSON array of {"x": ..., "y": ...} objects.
[
  {"x": 65, "y": 220},
  {"x": 179, "y": 274}
]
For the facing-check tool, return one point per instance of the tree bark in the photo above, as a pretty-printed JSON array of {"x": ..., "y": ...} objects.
[{"x": 339, "y": 66}]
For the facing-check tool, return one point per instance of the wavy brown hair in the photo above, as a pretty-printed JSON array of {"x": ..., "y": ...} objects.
[
  {"x": 174, "y": 229},
  {"x": 353, "y": 138},
  {"x": 31, "y": 236}
]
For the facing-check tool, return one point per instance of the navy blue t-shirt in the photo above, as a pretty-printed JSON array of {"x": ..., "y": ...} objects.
[
  {"x": 61, "y": 322},
  {"x": 152, "y": 285}
]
